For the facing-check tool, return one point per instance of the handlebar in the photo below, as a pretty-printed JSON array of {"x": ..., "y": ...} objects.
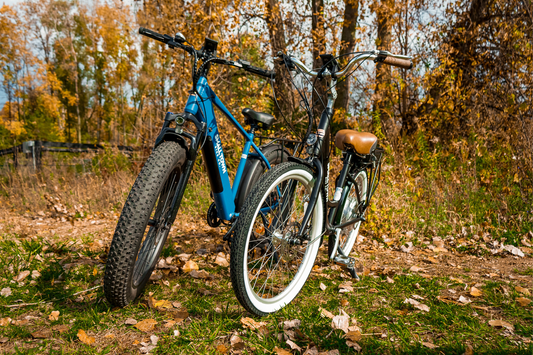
[
  {"x": 396, "y": 60},
  {"x": 239, "y": 64}
]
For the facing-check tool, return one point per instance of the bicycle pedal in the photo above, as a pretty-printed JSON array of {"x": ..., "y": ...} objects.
[{"x": 348, "y": 263}]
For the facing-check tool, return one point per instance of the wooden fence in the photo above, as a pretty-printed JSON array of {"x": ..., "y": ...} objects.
[{"x": 34, "y": 150}]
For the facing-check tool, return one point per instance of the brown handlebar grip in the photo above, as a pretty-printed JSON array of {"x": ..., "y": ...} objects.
[{"x": 400, "y": 63}]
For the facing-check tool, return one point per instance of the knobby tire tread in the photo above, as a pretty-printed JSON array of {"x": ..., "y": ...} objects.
[{"x": 133, "y": 221}]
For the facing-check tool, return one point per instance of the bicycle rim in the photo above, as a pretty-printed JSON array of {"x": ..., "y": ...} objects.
[
  {"x": 276, "y": 267},
  {"x": 350, "y": 210}
]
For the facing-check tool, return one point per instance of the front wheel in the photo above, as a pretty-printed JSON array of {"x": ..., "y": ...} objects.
[
  {"x": 269, "y": 263},
  {"x": 143, "y": 225}
]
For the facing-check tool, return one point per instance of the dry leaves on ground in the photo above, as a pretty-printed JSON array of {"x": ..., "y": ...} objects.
[
  {"x": 6, "y": 292},
  {"x": 146, "y": 325},
  {"x": 84, "y": 338},
  {"x": 501, "y": 324},
  {"x": 417, "y": 304},
  {"x": 522, "y": 290},
  {"x": 429, "y": 345},
  {"x": 475, "y": 292},
  {"x": 322, "y": 286},
  {"x": 54, "y": 316},
  {"x": 236, "y": 342},
  {"x": 524, "y": 302},
  {"x": 281, "y": 351},
  {"x": 253, "y": 325},
  {"x": 189, "y": 266},
  {"x": 221, "y": 260}
]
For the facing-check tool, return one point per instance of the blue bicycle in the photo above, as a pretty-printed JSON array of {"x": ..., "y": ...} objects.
[{"x": 154, "y": 200}]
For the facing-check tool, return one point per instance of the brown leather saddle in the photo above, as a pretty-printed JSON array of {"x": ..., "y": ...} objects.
[{"x": 362, "y": 142}]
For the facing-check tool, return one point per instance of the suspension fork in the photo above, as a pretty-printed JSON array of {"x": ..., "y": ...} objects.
[{"x": 185, "y": 175}]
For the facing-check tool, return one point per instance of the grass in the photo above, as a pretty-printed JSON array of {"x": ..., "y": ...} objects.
[{"x": 376, "y": 306}]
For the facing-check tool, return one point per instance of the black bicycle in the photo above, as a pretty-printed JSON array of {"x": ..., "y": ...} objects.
[{"x": 286, "y": 215}]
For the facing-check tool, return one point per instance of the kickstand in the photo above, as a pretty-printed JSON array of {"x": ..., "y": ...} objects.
[{"x": 353, "y": 273}]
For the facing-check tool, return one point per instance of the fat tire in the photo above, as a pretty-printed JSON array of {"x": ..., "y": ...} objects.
[
  {"x": 246, "y": 218},
  {"x": 133, "y": 220}
]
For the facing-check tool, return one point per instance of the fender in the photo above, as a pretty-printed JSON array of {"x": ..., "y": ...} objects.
[{"x": 255, "y": 167}]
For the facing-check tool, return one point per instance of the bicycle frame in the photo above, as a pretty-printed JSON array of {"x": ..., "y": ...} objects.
[{"x": 201, "y": 106}]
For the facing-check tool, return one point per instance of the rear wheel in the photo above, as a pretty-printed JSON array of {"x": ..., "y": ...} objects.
[
  {"x": 269, "y": 264},
  {"x": 143, "y": 225},
  {"x": 349, "y": 209}
]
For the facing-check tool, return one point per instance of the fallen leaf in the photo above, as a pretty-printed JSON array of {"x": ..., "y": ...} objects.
[
  {"x": 354, "y": 335},
  {"x": 169, "y": 323},
  {"x": 221, "y": 260},
  {"x": 176, "y": 333},
  {"x": 341, "y": 322},
  {"x": 176, "y": 304},
  {"x": 181, "y": 316},
  {"x": 6, "y": 292},
  {"x": 154, "y": 339},
  {"x": 291, "y": 324},
  {"x": 464, "y": 300},
  {"x": 325, "y": 313},
  {"x": 469, "y": 350},
  {"x": 417, "y": 297},
  {"x": 146, "y": 325},
  {"x": 162, "y": 304},
  {"x": 322, "y": 286},
  {"x": 130, "y": 321},
  {"x": 189, "y": 266},
  {"x": 390, "y": 280},
  {"x": 475, "y": 292},
  {"x": 293, "y": 345},
  {"x": 236, "y": 342},
  {"x": 200, "y": 274},
  {"x": 311, "y": 351},
  {"x": 109, "y": 336},
  {"x": 146, "y": 349},
  {"x": 281, "y": 351},
  {"x": 373, "y": 290},
  {"x": 35, "y": 274},
  {"x": 222, "y": 349},
  {"x": 345, "y": 287},
  {"x": 429, "y": 345},
  {"x": 95, "y": 271},
  {"x": 522, "y": 290},
  {"x": 501, "y": 324},
  {"x": 416, "y": 269},
  {"x": 440, "y": 250},
  {"x": 4, "y": 340},
  {"x": 54, "y": 316},
  {"x": 431, "y": 260},
  {"x": 252, "y": 324},
  {"x": 22, "y": 275},
  {"x": 354, "y": 345},
  {"x": 524, "y": 302},
  {"x": 42, "y": 334},
  {"x": 184, "y": 257},
  {"x": 407, "y": 247},
  {"x": 84, "y": 338},
  {"x": 417, "y": 304},
  {"x": 345, "y": 303},
  {"x": 61, "y": 328},
  {"x": 5, "y": 321}
]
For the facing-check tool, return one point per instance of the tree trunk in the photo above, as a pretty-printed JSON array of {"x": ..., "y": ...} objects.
[
  {"x": 319, "y": 47},
  {"x": 382, "y": 104},
  {"x": 351, "y": 14},
  {"x": 282, "y": 84}
]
